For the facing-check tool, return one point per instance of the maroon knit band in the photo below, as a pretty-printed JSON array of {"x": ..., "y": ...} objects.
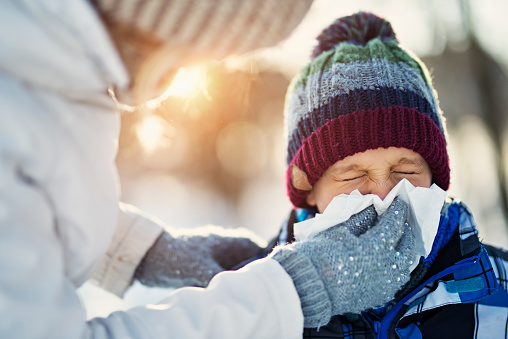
[{"x": 370, "y": 129}]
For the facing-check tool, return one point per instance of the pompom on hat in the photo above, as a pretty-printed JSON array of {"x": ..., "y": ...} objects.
[{"x": 361, "y": 91}]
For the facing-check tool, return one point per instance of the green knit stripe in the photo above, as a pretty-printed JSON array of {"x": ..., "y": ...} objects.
[{"x": 348, "y": 52}]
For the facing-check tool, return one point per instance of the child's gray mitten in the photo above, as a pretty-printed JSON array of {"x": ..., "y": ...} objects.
[
  {"x": 193, "y": 258},
  {"x": 343, "y": 270}
]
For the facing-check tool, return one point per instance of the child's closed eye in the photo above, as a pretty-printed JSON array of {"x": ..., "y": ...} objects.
[{"x": 350, "y": 178}]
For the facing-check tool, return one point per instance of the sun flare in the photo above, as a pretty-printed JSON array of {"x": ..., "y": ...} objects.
[
  {"x": 187, "y": 83},
  {"x": 152, "y": 131}
]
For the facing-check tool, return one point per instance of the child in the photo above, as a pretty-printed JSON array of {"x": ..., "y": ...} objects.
[{"x": 363, "y": 115}]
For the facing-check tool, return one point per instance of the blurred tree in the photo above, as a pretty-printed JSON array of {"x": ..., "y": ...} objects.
[
  {"x": 493, "y": 87},
  {"x": 471, "y": 82}
]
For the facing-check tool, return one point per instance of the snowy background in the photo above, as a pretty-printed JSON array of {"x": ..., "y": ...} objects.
[{"x": 214, "y": 152}]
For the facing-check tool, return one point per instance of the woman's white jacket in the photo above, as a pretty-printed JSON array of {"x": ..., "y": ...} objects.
[{"x": 59, "y": 198}]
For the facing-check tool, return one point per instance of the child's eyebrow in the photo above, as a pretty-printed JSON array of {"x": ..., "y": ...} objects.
[
  {"x": 345, "y": 168},
  {"x": 356, "y": 167},
  {"x": 410, "y": 161}
]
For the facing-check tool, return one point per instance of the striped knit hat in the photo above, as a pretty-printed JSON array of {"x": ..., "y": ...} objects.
[
  {"x": 216, "y": 28},
  {"x": 361, "y": 91}
]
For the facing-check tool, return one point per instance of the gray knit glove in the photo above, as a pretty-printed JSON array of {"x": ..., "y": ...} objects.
[
  {"x": 356, "y": 265},
  {"x": 193, "y": 258}
]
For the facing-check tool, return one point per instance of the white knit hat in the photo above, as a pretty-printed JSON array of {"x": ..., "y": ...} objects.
[{"x": 215, "y": 27}]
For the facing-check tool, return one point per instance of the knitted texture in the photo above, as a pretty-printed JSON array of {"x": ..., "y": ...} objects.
[
  {"x": 361, "y": 91},
  {"x": 360, "y": 222},
  {"x": 194, "y": 257},
  {"x": 215, "y": 27},
  {"x": 338, "y": 272}
]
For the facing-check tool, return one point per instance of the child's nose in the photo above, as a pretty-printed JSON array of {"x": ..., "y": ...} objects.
[{"x": 381, "y": 189}]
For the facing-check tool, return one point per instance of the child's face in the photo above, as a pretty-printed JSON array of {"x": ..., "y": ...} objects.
[{"x": 374, "y": 171}]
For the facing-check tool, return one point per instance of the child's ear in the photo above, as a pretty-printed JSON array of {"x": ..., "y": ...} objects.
[
  {"x": 311, "y": 199},
  {"x": 299, "y": 179}
]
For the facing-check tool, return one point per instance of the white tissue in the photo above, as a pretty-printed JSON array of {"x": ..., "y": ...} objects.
[{"x": 424, "y": 207}]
